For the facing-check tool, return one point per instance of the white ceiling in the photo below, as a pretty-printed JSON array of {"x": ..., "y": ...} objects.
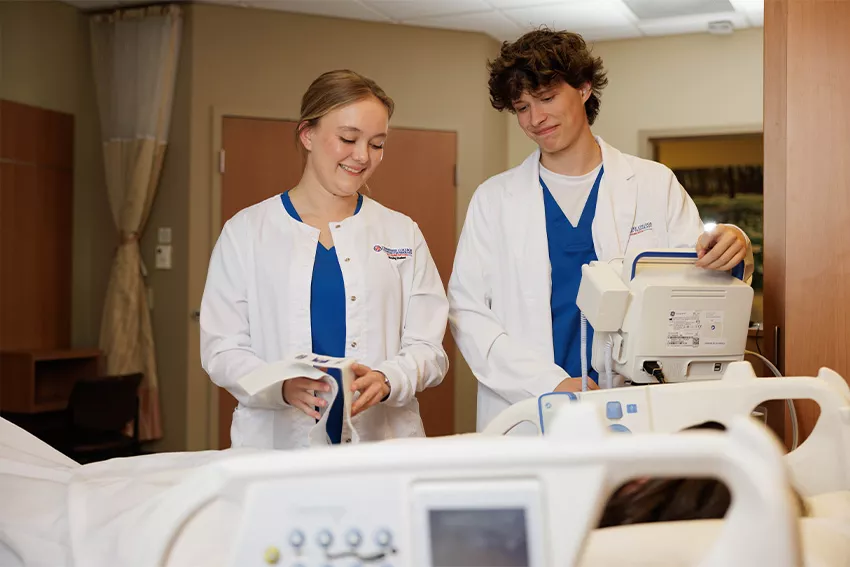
[{"x": 507, "y": 19}]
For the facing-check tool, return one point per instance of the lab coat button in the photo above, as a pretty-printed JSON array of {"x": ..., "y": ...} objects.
[
  {"x": 353, "y": 344},
  {"x": 348, "y": 259},
  {"x": 353, "y": 298},
  {"x": 337, "y": 226}
]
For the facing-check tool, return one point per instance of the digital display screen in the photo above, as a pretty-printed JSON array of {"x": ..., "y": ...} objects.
[{"x": 479, "y": 538}]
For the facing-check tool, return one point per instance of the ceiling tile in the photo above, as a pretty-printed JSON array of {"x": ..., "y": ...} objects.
[
  {"x": 332, "y": 8},
  {"x": 691, "y": 24},
  {"x": 573, "y": 16},
  {"x": 657, "y": 9},
  {"x": 400, "y": 10},
  {"x": 492, "y": 23}
]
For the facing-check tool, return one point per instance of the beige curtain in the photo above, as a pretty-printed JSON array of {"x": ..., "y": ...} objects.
[{"x": 134, "y": 54}]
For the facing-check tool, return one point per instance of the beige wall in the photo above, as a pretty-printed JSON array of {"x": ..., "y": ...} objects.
[
  {"x": 171, "y": 309},
  {"x": 260, "y": 62},
  {"x": 685, "y": 83},
  {"x": 44, "y": 62}
]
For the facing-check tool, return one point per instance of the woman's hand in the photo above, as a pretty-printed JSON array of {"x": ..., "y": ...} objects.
[
  {"x": 721, "y": 249},
  {"x": 371, "y": 385},
  {"x": 300, "y": 393}
]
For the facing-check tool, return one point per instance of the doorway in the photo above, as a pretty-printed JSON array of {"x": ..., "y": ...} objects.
[{"x": 416, "y": 177}]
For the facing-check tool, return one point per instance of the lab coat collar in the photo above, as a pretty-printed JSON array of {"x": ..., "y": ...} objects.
[{"x": 615, "y": 209}]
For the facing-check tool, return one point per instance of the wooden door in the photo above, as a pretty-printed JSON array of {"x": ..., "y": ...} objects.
[
  {"x": 807, "y": 190},
  {"x": 415, "y": 178}
]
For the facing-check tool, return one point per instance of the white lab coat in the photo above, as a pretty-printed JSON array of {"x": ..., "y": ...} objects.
[
  {"x": 500, "y": 288},
  {"x": 256, "y": 310}
]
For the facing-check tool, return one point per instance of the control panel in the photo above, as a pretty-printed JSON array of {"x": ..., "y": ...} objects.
[
  {"x": 316, "y": 524},
  {"x": 387, "y": 522},
  {"x": 625, "y": 410}
]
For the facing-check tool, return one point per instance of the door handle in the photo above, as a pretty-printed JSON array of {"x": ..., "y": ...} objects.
[{"x": 776, "y": 343}]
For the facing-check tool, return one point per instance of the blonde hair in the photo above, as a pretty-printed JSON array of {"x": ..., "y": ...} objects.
[{"x": 334, "y": 89}]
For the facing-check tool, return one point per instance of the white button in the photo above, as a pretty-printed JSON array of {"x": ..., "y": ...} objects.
[
  {"x": 383, "y": 538},
  {"x": 296, "y": 538},
  {"x": 325, "y": 539},
  {"x": 354, "y": 538}
]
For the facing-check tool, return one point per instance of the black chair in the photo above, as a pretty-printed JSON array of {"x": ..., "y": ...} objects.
[{"x": 98, "y": 413}]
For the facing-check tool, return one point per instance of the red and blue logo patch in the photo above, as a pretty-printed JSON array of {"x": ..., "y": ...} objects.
[{"x": 394, "y": 253}]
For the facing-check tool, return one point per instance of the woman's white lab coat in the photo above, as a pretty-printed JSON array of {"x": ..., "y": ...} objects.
[
  {"x": 256, "y": 310},
  {"x": 500, "y": 288}
]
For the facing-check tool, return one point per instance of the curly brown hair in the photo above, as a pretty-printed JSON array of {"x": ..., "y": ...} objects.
[{"x": 539, "y": 59}]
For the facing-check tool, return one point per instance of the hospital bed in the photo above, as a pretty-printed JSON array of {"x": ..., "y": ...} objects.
[
  {"x": 820, "y": 465},
  {"x": 197, "y": 508},
  {"x": 466, "y": 502}
]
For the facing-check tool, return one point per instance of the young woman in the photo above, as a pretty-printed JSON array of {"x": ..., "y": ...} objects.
[{"x": 323, "y": 268}]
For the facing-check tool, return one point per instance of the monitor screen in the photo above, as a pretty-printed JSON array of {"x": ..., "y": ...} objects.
[{"x": 478, "y": 538}]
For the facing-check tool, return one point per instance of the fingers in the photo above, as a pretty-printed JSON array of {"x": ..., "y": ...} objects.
[
  {"x": 308, "y": 384},
  {"x": 723, "y": 249},
  {"x": 307, "y": 406},
  {"x": 715, "y": 248},
  {"x": 368, "y": 398},
  {"x": 364, "y": 382},
  {"x": 300, "y": 394},
  {"x": 704, "y": 242},
  {"x": 592, "y": 385},
  {"x": 730, "y": 258},
  {"x": 360, "y": 369},
  {"x": 729, "y": 247}
]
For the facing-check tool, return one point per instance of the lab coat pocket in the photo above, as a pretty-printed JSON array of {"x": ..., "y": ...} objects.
[{"x": 643, "y": 239}]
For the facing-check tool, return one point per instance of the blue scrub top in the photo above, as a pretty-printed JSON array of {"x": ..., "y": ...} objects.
[
  {"x": 327, "y": 313},
  {"x": 570, "y": 247}
]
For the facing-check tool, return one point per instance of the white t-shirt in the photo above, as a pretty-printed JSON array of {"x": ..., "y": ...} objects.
[{"x": 570, "y": 192}]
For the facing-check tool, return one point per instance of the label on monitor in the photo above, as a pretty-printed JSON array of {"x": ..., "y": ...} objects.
[{"x": 695, "y": 328}]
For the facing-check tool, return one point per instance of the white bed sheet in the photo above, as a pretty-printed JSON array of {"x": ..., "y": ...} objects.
[{"x": 55, "y": 512}]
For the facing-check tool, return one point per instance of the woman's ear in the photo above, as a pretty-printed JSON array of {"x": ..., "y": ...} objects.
[{"x": 305, "y": 134}]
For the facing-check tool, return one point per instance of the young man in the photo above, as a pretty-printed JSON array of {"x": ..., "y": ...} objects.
[{"x": 529, "y": 230}]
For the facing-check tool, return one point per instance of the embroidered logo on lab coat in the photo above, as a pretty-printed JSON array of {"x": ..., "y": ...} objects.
[
  {"x": 394, "y": 253},
  {"x": 640, "y": 228}
]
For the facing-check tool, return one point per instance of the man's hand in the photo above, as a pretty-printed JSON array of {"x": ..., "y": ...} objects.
[
  {"x": 574, "y": 385},
  {"x": 370, "y": 383},
  {"x": 721, "y": 248},
  {"x": 300, "y": 393}
]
